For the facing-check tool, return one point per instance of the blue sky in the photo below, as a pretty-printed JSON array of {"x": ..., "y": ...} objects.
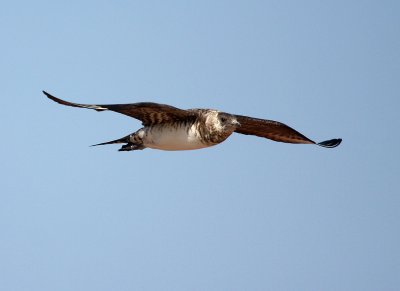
[{"x": 249, "y": 214}]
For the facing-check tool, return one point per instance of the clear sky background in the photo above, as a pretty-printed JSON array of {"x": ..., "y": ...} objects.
[{"x": 248, "y": 214}]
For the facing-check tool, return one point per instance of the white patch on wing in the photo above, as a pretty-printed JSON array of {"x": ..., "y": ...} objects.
[{"x": 171, "y": 138}]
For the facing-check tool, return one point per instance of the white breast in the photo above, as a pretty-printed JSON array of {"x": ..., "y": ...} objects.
[{"x": 172, "y": 138}]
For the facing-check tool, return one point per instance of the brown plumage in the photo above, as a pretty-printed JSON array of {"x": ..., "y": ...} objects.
[{"x": 170, "y": 128}]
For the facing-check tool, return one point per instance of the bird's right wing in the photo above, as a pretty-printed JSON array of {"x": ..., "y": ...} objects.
[
  {"x": 277, "y": 131},
  {"x": 147, "y": 112}
]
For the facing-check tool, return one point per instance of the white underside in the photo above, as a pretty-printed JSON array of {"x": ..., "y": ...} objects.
[{"x": 172, "y": 139}]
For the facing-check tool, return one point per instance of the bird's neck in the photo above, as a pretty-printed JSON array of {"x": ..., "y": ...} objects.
[{"x": 210, "y": 128}]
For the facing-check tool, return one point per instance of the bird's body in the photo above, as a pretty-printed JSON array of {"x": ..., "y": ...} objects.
[
  {"x": 173, "y": 129},
  {"x": 172, "y": 137},
  {"x": 203, "y": 129}
]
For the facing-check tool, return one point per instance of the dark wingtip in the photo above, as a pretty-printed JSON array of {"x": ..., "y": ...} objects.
[
  {"x": 332, "y": 143},
  {"x": 67, "y": 103},
  {"x": 48, "y": 95}
]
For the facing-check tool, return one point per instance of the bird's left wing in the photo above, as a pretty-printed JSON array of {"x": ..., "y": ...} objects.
[
  {"x": 147, "y": 112},
  {"x": 277, "y": 131}
]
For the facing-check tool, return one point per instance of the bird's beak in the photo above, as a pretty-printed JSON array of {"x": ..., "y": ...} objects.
[{"x": 237, "y": 123}]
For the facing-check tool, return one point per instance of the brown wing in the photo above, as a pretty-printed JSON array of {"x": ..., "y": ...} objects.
[
  {"x": 147, "y": 112},
  {"x": 276, "y": 131}
]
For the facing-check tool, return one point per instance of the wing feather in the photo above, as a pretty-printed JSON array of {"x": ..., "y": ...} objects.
[
  {"x": 270, "y": 129},
  {"x": 277, "y": 131},
  {"x": 147, "y": 112}
]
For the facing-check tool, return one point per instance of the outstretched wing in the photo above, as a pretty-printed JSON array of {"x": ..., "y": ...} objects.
[
  {"x": 147, "y": 112},
  {"x": 277, "y": 131}
]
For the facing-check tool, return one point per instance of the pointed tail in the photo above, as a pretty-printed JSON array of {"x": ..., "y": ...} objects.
[{"x": 125, "y": 139}]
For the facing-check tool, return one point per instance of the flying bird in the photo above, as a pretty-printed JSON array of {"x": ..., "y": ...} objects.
[{"x": 172, "y": 129}]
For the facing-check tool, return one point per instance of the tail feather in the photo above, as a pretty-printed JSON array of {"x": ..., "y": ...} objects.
[{"x": 125, "y": 139}]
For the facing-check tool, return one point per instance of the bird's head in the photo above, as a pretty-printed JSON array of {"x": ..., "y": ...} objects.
[
  {"x": 222, "y": 122},
  {"x": 228, "y": 121}
]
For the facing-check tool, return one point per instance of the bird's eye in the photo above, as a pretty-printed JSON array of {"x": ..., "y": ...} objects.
[{"x": 223, "y": 119}]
